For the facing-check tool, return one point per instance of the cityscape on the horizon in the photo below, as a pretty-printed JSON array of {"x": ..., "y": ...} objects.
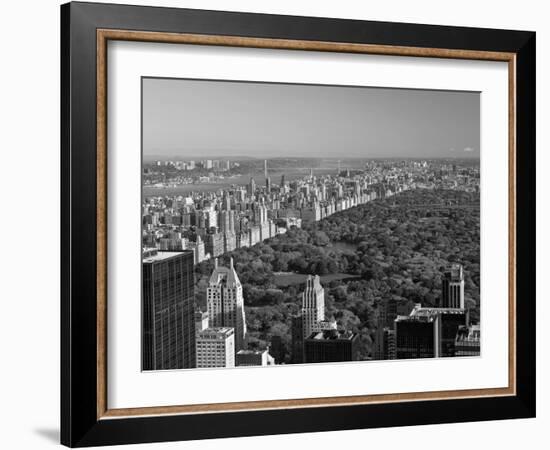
[{"x": 326, "y": 252}]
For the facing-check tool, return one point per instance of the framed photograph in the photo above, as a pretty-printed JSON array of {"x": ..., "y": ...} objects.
[{"x": 277, "y": 224}]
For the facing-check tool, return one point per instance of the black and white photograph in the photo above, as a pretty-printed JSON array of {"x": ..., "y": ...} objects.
[{"x": 299, "y": 223}]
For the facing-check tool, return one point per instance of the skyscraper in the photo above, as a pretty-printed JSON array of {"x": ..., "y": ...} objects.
[
  {"x": 311, "y": 317},
  {"x": 227, "y": 202},
  {"x": 225, "y": 303},
  {"x": 428, "y": 332},
  {"x": 267, "y": 179},
  {"x": 297, "y": 330},
  {"x": 227, "y": 221},
  {"x": 384, "y": 343},
  {"x": 331, "y": 346},
  {"x": 251, "y": 187},
  {"x": 168, "y": 319},
  {"x": 452, "y": 286},
  {"x": 260, "y": 213},
  {"x": 313, "y": 304}
]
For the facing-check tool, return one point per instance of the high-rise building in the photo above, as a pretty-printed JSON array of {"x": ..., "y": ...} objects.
[
  {"x": 313, "y": 304},
  {"x": 267, "y": 179},
  {"x": 201, "y": 320},
  {"x": 230, "y": 242},
  {"x": 428, "y": 332},
  {"x": 297, "y": 334},
  {"x": 227, "y": 203},
  {"x": 452, "y": 286},
  {"x": 260, "y": 214},
  {"x": 331, "y": 346},
  {"x": 224, "y": 297},
  {"x": 311, "y": 318},
  {"x": 253, "y": 235},
  {"x": 251, "y": 188},
  {"x": 277, "y": 348},
  {"x": 227, "y": 221},
  {"x": 198, "y": 249},
  {"x": 168, "y": 318},
  {"x": 254, "y": 358},
  {"x": 468, "y": 341},
  {"x": 390, "y": 308},
  {"x": 384, "y": 343},
  {"x": 415, "y": 337},
  {"x": 216, "y": 347},
  {"x": 214, "y": 244}
]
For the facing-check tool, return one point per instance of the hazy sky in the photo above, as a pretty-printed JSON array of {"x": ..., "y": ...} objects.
[{"x": 194, "y": 118}]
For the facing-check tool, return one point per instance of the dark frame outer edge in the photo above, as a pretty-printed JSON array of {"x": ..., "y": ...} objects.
[
  {"x": 526, "y": 224},
  {"x": 65, "y": 227},
  {"x": 79, "y": 426}
]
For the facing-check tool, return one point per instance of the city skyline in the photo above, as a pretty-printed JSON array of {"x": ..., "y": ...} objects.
[
  {"x": 283, "y": 268},
  {"x": 319, "y": 224},
  {"x": 204, "y": 118}
]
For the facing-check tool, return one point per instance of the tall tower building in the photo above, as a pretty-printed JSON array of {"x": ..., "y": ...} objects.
[
  {"x": 311, "y": 318},
  {"x": 452, "y": 285},
  {"x": 260, "y": 214},
  {"x": 251, "y": 187},
  {"x": 168, "y": 316},
  {"x": 331, "y": 346},
  {"x": 227, "y": 221},
  {"x": 313, "y": 304},
  {"x": 428, "y": 332},
  {"x": 227, "y": 203},
  {"x": 297, "y": 330},
  {"x": 224, "y": 297},
  {"x": 267, "y": 179}
]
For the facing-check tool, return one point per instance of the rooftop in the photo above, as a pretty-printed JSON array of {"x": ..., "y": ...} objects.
[
  {"x": 332, "y": 335},
  {"x": 251, "y": 352},
  {"x": 454, "y": 272},
  {"x": 421, "y": 314},
  {"x": 150, "y": 257},
  {"x": 216, "y": 332},
  {"x": 224, "y": 274}
]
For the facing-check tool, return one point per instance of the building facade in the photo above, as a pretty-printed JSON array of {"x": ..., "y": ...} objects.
[
  {"x": 201, "y": 320},
  {"x": 216, "y": 347},
  {"x": 313, "y": 304},
  {"x": 225, "y": 303},
  {"x": 384, "y": 343},
  {"x": 168, "y": 317},
  {"x": 468, "y": 341},
  {"x": 254, "y": 358},
  {"x": 428, "y": 332},
  {"x": 331, "y": 346},
  {"x": 311, "y": 318},
  {"x": 452, "y": 287}
]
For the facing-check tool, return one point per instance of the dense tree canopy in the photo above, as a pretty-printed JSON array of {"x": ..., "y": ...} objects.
[{"x": 390, "y": 248}]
